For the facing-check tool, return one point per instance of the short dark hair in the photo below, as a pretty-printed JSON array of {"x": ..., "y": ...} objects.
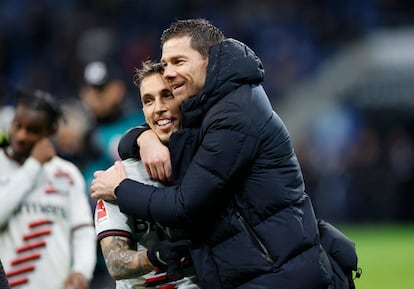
[
  {"x": 203, "y": 34},
  {"x": 148, "y": 68},
  {"x": 41, "y": 101}
]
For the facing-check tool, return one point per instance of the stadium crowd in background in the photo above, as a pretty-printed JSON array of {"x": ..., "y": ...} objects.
[{"x": 48, "y": 47}]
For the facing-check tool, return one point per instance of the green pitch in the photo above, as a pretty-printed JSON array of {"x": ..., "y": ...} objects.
[{"x": 385, "y": 254}]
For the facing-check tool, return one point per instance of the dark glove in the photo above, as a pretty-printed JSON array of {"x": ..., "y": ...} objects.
[{"x": 166, "y": 255}]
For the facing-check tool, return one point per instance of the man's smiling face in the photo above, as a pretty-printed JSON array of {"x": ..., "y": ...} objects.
[
  {"x": 185, "y": 68},
  {"x": 161, "y": 109}
]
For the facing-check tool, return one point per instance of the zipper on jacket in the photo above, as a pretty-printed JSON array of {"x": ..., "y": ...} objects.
[{"x": 254, "y": 238}]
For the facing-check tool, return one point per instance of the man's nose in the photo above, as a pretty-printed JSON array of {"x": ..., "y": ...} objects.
[
  {"x": 21, "y": 134},
  {"x": 169, "y": 72},
  {"x": 159, "y": 106}
]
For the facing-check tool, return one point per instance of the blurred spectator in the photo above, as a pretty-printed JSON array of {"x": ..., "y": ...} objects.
[
  {"x": 74, "y": 139},
  {"x": 371, "y": 179},
  {"x": 103, "y": 96},
  {"x": 371, "y": 187},
  {"x": 400, "y": 151}
]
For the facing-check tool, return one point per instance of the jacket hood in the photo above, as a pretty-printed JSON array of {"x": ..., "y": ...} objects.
[{"x": 231, "y": 64}]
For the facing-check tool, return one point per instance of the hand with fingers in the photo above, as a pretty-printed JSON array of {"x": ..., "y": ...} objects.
[
  {"x": 105, "y": 182},
  {"x": 155, "y": 156}
]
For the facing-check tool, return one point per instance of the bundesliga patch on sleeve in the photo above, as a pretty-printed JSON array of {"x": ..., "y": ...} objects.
[{"x": 101, "y": 212}]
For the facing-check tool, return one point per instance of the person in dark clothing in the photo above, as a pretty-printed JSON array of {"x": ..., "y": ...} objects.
[
  {"x": 241, "y": 198},
  {"x": 4, "y": 283}
]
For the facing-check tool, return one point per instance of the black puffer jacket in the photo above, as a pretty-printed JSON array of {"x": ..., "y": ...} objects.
[{"x": 261, "y": 231}]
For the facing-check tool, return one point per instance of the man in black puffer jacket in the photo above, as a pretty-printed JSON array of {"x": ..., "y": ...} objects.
[{"x": 242, "y": 197}]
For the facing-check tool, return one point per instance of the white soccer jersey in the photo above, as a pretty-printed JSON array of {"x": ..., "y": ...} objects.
[
  {"x": 109, "y": 221},
  {"x": 46, "y": 225}
]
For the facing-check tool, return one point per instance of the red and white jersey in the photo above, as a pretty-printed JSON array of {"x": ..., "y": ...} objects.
[
  {"x": 46, "y": 225},
  {"x": 109, "y": 221}
]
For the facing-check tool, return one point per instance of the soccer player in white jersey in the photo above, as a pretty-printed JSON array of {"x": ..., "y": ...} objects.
[
  {"x": 116, "y": 231},
  {"x": 47, "y": 238}
]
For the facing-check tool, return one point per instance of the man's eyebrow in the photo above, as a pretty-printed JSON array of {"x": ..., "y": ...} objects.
[
  {"x": 175, "y": 57},
  {"x": 146, "y": 95},
  {"x": 165, "y": 90}
]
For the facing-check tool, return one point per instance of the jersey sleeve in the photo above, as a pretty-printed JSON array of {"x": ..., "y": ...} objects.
[
  {"x": 83, "y": 235},
  {"x": 109, "y": 221},
  {"x": 81, "y": 212},
  {"x": 17, "y": 185}
]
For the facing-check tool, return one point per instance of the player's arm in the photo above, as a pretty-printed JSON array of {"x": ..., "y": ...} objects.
[
  {"x": 83, "y": 238},
  {"x": 123, "y": 262},
  {"x": 142, "y": 143},
  {"x": 15, "y": 187}
]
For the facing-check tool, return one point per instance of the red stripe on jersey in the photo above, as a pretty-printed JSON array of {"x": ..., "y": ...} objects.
[
  {"x": 18, "y": 282},
  {"x": 40, "y": 223},
  {"x": 81, "y": 226},
  {"x": 50, "y": 190},
  {"x": 64, "y": 174},
  {"x": 37, "y": 234},
  {"x": 25, "y": 259},
  {"x": 19, "y": 271},
  {"x": 168, "y": 286},
  {"x": 31, "y": 246},
  {"x": 152, "y": 281}
]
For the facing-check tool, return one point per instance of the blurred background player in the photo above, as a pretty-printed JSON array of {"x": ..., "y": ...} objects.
[{"x": 46, "y": 227}]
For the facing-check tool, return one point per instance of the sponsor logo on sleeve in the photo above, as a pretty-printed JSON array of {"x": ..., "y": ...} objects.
[{"x": 101, "y": 213}]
